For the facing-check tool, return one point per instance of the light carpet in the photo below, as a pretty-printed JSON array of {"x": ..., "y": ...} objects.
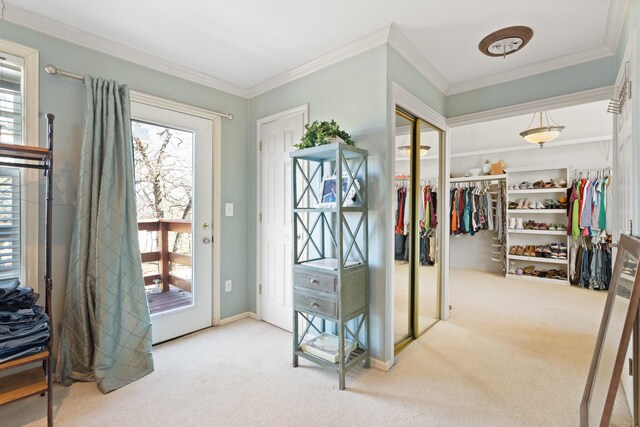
[{"x": 514, "y": 353}]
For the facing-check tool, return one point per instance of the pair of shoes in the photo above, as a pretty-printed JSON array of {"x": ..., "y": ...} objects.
[
  {"x": 561, "y": 183},
  {"x": 519, "y": 272},
  {"x": 512, "y": 223},
  {"x": 528, "y": 270},
  {"x": 513, "y": 205},
  {"x": 512, "y": 268},
  {"x": 519, "y": 224},
  {"x": 526, "y": 185},
  {"x": 538, "y": 184}
]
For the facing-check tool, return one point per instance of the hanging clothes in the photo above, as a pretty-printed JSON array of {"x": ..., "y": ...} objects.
[
  {"x": 472, "y": 210},
  {"x": 427, "y": 219}
]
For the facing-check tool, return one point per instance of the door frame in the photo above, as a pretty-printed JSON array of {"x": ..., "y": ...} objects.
[
  {"x": 155, "y": 101},
  {"x": 304, "y": 109},
  {"x": 400, "y": 97}
]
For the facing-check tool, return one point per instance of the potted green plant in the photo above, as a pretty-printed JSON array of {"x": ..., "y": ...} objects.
[{"x": 323, "y": 132}]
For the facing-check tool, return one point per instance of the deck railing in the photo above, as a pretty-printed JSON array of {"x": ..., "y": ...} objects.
[{"x": 166, "y": 259}]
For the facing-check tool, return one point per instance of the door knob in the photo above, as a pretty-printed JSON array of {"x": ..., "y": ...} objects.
[
  {"x": 206, "y": 240},
  {"x": 205, "y": 226}
]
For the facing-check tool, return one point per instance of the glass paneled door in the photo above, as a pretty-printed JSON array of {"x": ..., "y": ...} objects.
[{"x": 173, "y": 154}]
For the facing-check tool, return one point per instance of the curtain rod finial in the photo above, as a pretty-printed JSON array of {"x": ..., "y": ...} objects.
[{"x": 51, "y": 69}]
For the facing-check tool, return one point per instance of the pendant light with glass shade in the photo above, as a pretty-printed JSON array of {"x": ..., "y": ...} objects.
[
  {"x": 406, "y": 150},
  {"x": 547, "y": 131}
]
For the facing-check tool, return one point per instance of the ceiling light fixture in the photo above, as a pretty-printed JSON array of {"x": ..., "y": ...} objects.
[
  {"x": 505, "y": 41},
  {"x": 544, "y": 133},
  {"x": 406, "y": 150}
]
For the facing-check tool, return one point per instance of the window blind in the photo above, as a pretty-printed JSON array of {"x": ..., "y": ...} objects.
[
  {"x": 11, "y": 123},
  {"x": 10, "y": 233},
  {"x": 10, "y": 101}
]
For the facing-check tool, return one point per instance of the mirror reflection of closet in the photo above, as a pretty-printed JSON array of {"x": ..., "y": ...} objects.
[{"x": 416, "y": 271}]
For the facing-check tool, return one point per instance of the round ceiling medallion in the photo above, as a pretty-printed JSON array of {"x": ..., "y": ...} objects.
[{"x": 505, "y": 41}]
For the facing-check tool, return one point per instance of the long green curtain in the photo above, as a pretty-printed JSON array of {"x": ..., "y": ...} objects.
[{"x": 106, "y": 335}]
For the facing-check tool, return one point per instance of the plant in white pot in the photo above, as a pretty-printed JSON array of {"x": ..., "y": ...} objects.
[{"x": 321, "y": 133}]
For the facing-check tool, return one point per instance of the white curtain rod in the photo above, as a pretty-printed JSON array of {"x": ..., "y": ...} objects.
[{"x": 53, "y": 70}]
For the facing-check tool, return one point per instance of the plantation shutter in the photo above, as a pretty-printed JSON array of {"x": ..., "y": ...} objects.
[
  {"x": 11, "y": 113},
  {"x": 10, "y": 101},
  {"x": 10, "y": 234}
]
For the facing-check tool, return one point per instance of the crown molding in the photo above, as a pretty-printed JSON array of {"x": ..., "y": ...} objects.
[
  {"x": 64, "y": 32},
  {"x": 401, "y": 43},
  {"x": 560, "y": 101},
  {"x": 615, "y": 22},
  {"x": 353, "y": 48},
  {"x": 533, "y": 69}
]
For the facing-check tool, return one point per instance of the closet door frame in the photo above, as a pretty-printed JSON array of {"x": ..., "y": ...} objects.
[{"x": 403, "y": 99}]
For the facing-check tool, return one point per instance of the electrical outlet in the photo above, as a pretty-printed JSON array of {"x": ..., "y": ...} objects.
[{"x": 227, "y": 286}]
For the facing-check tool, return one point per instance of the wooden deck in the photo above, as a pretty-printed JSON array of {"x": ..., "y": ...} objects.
[{"x": 174, "y": 298}]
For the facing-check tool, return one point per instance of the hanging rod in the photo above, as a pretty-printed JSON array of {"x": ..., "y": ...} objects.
[
  {"x": 55, "y": 71},
  {"x": 480, "y": 178}
]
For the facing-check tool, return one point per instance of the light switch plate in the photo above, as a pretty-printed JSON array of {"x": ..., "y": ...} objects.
[
  {"x": 228, "y": 209},
  {"x": 227, "y": 286}
]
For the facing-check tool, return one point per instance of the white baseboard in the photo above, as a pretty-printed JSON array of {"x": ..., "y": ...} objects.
[
  {"x": 235, "y": 318},
  {"x": 253, "y": 315},
  {"x": 379, "y": 364}
]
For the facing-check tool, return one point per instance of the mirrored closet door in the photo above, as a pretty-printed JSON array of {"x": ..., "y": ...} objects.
[{"x": 417, "y": 289}]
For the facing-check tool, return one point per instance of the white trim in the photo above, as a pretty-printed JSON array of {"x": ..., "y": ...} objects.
[
  {"x": 357, "y": 46},
  {"x": 615, "y": 22},
  {"x": 235, "y": 318},
  {"x": 304, "y": 110},
  {"x": 30, "y": 233},
  {"x": 561, "y": 101},
  {"x": 253, "y": 316},
  {"x": 168, "y": 104},
  {"x": 91, "y": 41},
  {"x": 408, "y": 51},
  {"x": 532, "y": 69},
  {"x": 526, "y": 147},
  {"x": 380, "y": 364},
  {"x": 400, "y": 97}
]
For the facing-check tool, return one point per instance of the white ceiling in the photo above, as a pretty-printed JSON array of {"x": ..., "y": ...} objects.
[
  {"x": 582, "y": 122},
  {"x": 247, "y": 43}
]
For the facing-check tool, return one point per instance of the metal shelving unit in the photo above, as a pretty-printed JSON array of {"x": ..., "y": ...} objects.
[
  {"x": 330, "y": 253},
  {"x": 33, "y": 381}
]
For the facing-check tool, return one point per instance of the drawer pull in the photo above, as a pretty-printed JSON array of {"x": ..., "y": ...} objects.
[
  {"x": 314, "y": 281},
  {"x": 314, "y": 304}
]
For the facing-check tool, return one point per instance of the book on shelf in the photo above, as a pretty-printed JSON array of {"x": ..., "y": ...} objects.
[{"x": 325, "y": 346}]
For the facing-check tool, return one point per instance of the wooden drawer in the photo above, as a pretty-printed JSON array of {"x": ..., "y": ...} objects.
[
  {"x": 316, "y": 304},
  {"x": 315, "y": 281}
]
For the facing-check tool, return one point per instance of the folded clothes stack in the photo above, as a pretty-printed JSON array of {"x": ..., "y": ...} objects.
[{"x": 24, "y": 326}]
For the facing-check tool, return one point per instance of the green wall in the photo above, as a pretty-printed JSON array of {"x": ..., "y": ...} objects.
[
  {"x": 353, "y": 92},
  {"x": 65, "y": 98},
  {"x": 576, "y": 78}
]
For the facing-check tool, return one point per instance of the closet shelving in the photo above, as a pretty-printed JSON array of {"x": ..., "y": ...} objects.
[
  {"x": 533, "y": 237},
  {"x": 36, "y": 380}
]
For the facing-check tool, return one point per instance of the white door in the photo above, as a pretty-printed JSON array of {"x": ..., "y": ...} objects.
[
  {"x": 277, "y": 140},
  {"x": 624, "y": 185},
  {"x": 173, "y": 154}
]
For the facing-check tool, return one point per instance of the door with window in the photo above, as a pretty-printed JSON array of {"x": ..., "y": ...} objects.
[{"x": 173, "y": 155}]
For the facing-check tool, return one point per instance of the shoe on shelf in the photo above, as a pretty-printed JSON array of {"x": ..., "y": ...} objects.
[
  {"x": 512, "y": 268},
  {"x": 539, "y": 252},
  {"x": 562, "y": 227},
  {"x": 561, "y": 183},
  {"x": 550, "y": 204},
  {"x": 521, "y": 203},
  {"x": 512, "y": 223},
  {"x": 519, "y": 272},
  {"x": 513, "y": 205},
  {"x": 520, "y": 250},
  {"x": 519, "y": 224},
  {"x": 543, "y": 273},
  {"x": 538, "y": 184},
  {"x": 513, "y": 249},
  {"x": 524, "y": 185},
  {"x": 546, "y": 251},
  {"x": 555, "y": 250},
  {"x": 539, "y": 205},
  {"x": 548, "y": 184},
  {"x": 543, "y": 226},
  {"x": 529, "y": 224},
  {"x": 553, "y": 227},
  {"x": 528, "y": 270}
]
